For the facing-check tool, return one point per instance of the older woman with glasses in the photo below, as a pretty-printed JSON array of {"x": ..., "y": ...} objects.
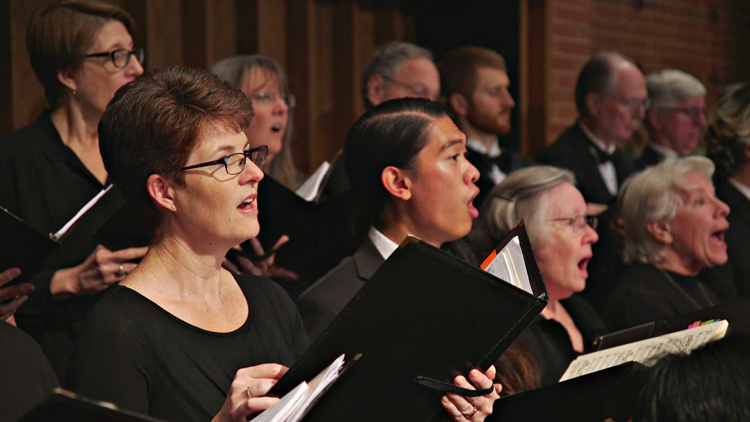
[
  {"x": 181, "y": 338},
  {"x": 81, "y": 52},
  {"x": 561, "y": 234},
  {"x": 674, "y": 228},
  {"x": 263, "y": 80}
]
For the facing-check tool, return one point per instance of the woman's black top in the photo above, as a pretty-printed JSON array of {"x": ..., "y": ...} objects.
[
  {"x": 550, "y": 343},
  {"x": 646, "y": 293},
  {"x": 43, "y": 182},
  {"x": 137, "y": 355}
]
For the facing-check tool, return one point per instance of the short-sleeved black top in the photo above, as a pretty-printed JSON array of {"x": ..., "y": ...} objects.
[{"x": 137, "y": 355}]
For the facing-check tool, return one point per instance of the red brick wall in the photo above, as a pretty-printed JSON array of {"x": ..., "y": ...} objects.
[{"x": 707, "y": 38}]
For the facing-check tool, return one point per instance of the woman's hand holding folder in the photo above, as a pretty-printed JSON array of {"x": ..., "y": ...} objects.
[
  {"x": 247, "y": 394},
  {"x": 461, "y": 408}
]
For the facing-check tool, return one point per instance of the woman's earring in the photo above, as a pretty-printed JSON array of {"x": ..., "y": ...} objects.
[
  {"x": 174, "y": 208},
  {"x": 74, "y": 92}
]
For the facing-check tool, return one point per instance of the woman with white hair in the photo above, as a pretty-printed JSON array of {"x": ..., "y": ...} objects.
[
  {"x": 674, "y": 228},
  {"x": 728, "y": 142},
  {"x": 561, "y": 234}
]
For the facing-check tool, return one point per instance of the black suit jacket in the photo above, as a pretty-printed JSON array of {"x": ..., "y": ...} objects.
[
  {"x": 572, "y": 151},
  {"x": 738, "y": 235},
  {"x": 508, "y": 162},
  {"x": 322, "y": 301},
  {"x": 649, "y": 157}
]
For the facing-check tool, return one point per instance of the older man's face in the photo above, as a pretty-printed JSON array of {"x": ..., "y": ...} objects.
[
  {"x": 417, "y": 78},
  {"x": 622, "y": 109},
  {"x": 682, "y": 124}
]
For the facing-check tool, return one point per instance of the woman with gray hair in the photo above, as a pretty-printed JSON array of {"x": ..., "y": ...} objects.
[
  {"x": 561, "y": 234},
  {"x": 263, "y": 80},
  {"x": 674, "y": 228},
  {"x": 728, "y": 141}
]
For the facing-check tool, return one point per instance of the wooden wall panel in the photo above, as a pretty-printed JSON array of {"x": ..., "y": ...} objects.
[
  {"x": 272, "y": 30},
  {"x": 164, "y": 40},
  {"x": 221, "y": 39},
  {"x": 323, "y": 44},
  {"x": 28, "y": 95},
  {"x": 6, "y": 73}
]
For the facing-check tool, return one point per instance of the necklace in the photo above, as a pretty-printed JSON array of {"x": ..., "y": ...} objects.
[{"x": 686, "y": 294}]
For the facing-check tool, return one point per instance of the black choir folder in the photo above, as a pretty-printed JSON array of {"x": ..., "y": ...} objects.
[
  {"x": 63, "y": 405},
  {"x": 424, "y": 313},
  {"x": 23, "y": 246}
]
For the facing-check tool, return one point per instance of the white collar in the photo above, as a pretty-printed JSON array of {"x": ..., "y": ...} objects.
[
  {"x": 609, "y": 149},
  {"x": 664, "y": 151},
  {"x": 478, "y": 146},
  {"x": 744, "y": 190},
  {"x": 382, "y": 243}
]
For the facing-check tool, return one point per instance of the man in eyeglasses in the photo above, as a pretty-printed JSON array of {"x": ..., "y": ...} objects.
[
  {"x": 398, "y": 70},
  {"x": 676, "y": 118},
  {"x": 611, "y": 98},
  {"x": 475, "y": 84}
]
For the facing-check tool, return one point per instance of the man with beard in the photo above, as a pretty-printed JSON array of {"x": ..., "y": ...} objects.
[
  {"x": 475, "y": 83},
  {"x": 676, "y": 118}
]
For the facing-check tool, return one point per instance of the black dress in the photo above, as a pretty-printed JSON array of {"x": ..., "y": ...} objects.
[
  {"x": 550, "y": 344},
  {"x": 646, "y": 293},
  {"x": 137, "y": 355},
  {"x": 43, "y": 182}
]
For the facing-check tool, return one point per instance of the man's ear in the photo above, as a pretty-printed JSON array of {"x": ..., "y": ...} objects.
[
  {"x": 661, "y": 231},
  {"x": 161, "y": 191},
  {"x": 376, "y": 89},
  {"x": 594, "y": 103},
  {"x": 67, "y": 78},
  {"x": 396, "y": 182},
  {"x": 459, "y": 104}
]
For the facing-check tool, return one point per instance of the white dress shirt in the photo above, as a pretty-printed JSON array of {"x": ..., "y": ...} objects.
[
  {"x": 382, "y": 243},
  {"x": 494, "y": 151},
  {"x": 607, "y": 170},
  {"x": 744, "y": 190}
]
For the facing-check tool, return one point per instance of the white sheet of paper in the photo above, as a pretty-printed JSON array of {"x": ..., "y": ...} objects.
[
  {"x": 510, "y": 266},
  {"x": 309, "y": 189},
  {"x": 643, "y": 351}
]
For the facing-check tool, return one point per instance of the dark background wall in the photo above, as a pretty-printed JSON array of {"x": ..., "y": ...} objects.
[{"x": 325, "y": 44}]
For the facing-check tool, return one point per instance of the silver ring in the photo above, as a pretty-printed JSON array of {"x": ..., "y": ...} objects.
[{"x": 120, "y": 271}]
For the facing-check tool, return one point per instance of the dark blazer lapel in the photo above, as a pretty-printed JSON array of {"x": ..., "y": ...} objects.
[
  {"x": 367, "y": 259},
  {"x": 590, "y": 178},
  {"x": 738, "y": 203}
]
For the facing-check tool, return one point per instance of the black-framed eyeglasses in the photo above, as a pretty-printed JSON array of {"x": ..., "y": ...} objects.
[
  {"x": 579, "y": 222},
  {"x": 691, "y": 112},
  {"x": 271, "y": 97},
  {"x": 235, "y": 163},
  {"x": 121, "y": 57}
]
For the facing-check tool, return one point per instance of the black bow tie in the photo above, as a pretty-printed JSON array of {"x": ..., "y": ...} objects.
[{"x": 602, "y": 155}]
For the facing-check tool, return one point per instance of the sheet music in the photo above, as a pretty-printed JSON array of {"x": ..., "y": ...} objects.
[
  {"x": 642, "y": 351},
  {"x": 509, "y": 265},
  {"x": 294, "y": 405},
  {"x": 60, "y": 233},
  {"x": 310, "y": 188}
]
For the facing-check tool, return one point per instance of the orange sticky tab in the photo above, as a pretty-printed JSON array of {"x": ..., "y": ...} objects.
[{"x": 488, "y": 260}]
